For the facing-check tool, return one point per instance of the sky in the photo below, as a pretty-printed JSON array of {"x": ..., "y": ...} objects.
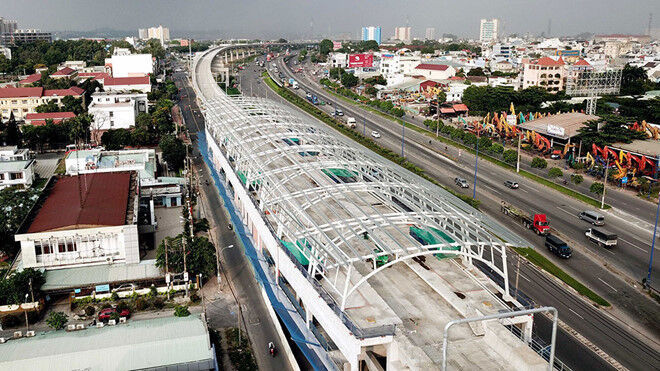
[{"x": 296, "y": 19}]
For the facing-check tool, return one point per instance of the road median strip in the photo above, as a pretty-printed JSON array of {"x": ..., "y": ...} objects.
[
  {"x": 567, "y": 191},
  {"x": 548, "y": 266}
]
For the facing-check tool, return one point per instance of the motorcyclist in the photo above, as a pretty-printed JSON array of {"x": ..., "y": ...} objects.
[{"x": 271, "y": 348}]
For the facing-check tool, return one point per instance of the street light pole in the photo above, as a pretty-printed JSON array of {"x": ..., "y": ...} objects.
[
  {"x": 607, "y": 165},
  {"x": 476, "y": 165},
  {"x": 518, "y": 160},
  {"x": 403, "y": 136},
  {"x": 655, "y": 228}
]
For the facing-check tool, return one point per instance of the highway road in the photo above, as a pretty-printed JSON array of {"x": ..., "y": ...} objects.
[
  {"x": 601, "y": 327},
  {"x": 257, "y": 320}
]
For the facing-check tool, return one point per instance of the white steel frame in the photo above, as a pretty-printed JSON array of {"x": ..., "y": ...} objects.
[{"x": 302, "y": 203}]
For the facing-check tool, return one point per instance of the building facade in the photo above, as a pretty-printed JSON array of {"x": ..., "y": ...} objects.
[
  {"x": 402, "y": 34},
  {"x": 488, "y": 30},
  {"x": 132, "y": 65},
  {"x": 16, "y": 167},
  {"x": 159, "y": 33},
  {"x": 545, "y": 72},
  {"x": 21, "y": 101},
  {"x": 127, "y": 84},
  {"x": 115, "y": 110},
  {"x": 371, "y": 33},
  {"x": 430, "y": 33},
  {"x": 25, "y": 36}
]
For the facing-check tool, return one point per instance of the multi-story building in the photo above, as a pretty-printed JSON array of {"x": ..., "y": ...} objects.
[
  {"x": 430, "y": 33},
  {"x": 25, "y": 36},
  {"x": 124, "y": 84},
  {"x": 21, "y": 101},
  {"x": 402, "y": 34},
  {"x": 488, "y": 30},
  {"x": 65, "y": 73},
  {"x": 544, "y": 72},
  {"x": 371, "y": 33},
  {"x": 143, "y": 161},
  {"x": 39, "y": 119},
  {"x": 159, "y": 33},
  {"x": 7, "y": 26},
  {"x": 83, "y": 220},
  {"x": 5, "y": 51},
  {"x": 16, "y": 167},
  {"x": 434, "y": 72},
  {"x": 393, "y": 67},
  {"x": 113, "y": 110},
  {"x": 131, "y": 65}
]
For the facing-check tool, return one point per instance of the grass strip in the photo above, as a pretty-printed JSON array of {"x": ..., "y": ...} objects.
[
  {"x": 545, "y": 264},
  {"x": 365, "y": 141},
  {"x": 567, "y": 191}
]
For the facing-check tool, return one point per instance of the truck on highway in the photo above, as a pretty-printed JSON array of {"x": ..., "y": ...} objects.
[
  {"x": 603, "y": 239},
  {"x": 538, "y": 222},
  {"x": 558, "y": 247},
  {"x": 351, "y": 123}
]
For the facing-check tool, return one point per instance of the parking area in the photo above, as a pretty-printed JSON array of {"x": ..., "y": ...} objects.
[
  {"x": 46, "y": 163},
  {"x": 170, "y": 224}
]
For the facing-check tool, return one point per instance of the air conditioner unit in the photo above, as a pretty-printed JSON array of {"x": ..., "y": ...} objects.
[
  {"x": 18, "y": 334},
  {"x": 112, "y": 322},
  {"x": 80, "y": 326},
  {"x": 99, "y": 324},
  {"x": 29, "y": 333},
  {"x": 3, "y": 340}
]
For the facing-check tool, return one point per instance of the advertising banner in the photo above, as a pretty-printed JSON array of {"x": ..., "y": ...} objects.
[{"x": 360, "y": 60}]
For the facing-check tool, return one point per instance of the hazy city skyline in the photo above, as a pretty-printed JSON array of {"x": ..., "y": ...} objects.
[{"x": 303, "y": 19}]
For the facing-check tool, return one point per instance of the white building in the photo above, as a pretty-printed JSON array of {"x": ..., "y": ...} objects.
[
  {"x": 371, "y": 33},
  {"x": 430, "y": 33},
  {"x": 455, "y": 92},
  {"x": 5, "y": 51},
  {"x": 488, "y": 30},
  {"x": 76, "y": 65},
  {"x": 434, "y": 72},
  {"x": 121, "y": 51},
  {"x": 159, "y": 33},
  {"x": 112, "y": 110},
  {"x": 131, "y": 65},
  {"x": 127, "y": 84},
  {"x": 16, "y": 167},
  {"x": 338, "y": 60},
  {"x": 142, "y": 161},
  {"x": 402, "y": 34},
  {"x": 394, "y": 67},
  {"x": 84, "y": 220}
]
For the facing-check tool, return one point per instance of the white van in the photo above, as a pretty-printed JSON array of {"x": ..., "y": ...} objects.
[
  {"x": 592, "y": 217},
  {"x": 351, "y": 123}
]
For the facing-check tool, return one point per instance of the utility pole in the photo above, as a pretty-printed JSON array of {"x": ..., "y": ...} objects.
[
  {"x": 518, "y": 161},
  {"x": 437, "y": 124},
  {"x": 655, "y": 228},
  {"x": 607, "y": 165},
  {"x": 185, "y": 270},
  {"x": 167, "y": 269},
  {"x": 403, "y": 136},
  {"x": 517, "y": 275}
]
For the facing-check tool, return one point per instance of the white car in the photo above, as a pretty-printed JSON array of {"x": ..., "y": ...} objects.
[{"x": 375, "y": 134}]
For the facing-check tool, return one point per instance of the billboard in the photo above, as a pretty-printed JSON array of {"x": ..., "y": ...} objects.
[
  {"x": 336, "y": 45},
  {"x": 360, "y": 60}
]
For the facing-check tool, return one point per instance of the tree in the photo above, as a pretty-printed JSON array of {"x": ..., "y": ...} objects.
[
  {"x": 174, "y": 151},
  {"x": 576, "y": 178},
  {"x": 349, "y": 80},
  {"x": 539, "y": 163},
  {"x": 325, "y": 46},
  {"x": 51, "y": 106},
  {"x": 334, "y": 73},
  {"x": 79, "y": 128},
  {"x": 597, "y": 188},
  {"x": 634, "y": 81},
  {"x": 200, "y": 255},
  {"x": 115, "y": 139},
  {"x": 510, "y": 156},
  {"x": 476, "y": 72},
  {"x": 57, "y": 320},
  {"x": 441, "y": 97},
  {"x": 555, "y": 172},
  {"x": 376, "y": 80}
]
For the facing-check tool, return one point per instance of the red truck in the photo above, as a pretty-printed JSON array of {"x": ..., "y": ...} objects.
[{"x": 538, "y": 222}]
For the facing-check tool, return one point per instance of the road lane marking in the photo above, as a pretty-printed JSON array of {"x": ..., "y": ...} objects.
[
  {"x": 523, "y": 190},
  {"x": 608, "y": 285},
  {"x": 523, "y": 276},
  {"x": 633, "y": 245},
  {"x": 567, "y": 212},
  {"x": 574, "y": 312}
]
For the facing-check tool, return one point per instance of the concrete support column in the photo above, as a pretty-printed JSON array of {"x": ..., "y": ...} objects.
[
  {"x": 527, "y": 331},
  {"x": 225, "y": 58},
  {"x": 308, "y": 318}
]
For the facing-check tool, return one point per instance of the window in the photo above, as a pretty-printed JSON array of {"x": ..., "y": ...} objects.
[
  {"x": 2, "y": 176},
  {"x": 112, "y": 114},
  {"x": 61, "y": 247},
  {"x": 112, "y": 123},
  {"x": 14, "y": 176},
  {"x": 37, "y": 248},
  {"x": 70, "y": 245}
]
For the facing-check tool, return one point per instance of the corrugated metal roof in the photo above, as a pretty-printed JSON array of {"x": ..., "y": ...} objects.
[
  {"x": 135, "y": 345},
  {"x": 87, "y": 276},
  {"x": 92, "y": 200}
]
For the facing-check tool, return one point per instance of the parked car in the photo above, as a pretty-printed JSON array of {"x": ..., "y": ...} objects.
[
  {"x": 461, "y": 182},
  {"x": 375, "y": 134},
  {"x": 511, "y": 184},
  {"x": 105, "y": 314},
  {"x": 338, "y": 112},
  {"x": 125, "y": 287}
]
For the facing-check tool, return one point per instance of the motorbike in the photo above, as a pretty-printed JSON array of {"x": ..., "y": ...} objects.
[{"x": 271, "y": 349}]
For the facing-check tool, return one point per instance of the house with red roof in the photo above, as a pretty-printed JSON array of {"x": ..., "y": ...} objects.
[
  {"x": 39, "y": 119},
  {"x": 435, "y": 72},
  {"x": 65, "y": 73},
  {"x": 29, "y": 80},
  {"x": 127, "y": 84},
  {"x": 84, "y": 220},
  {"x": 21, "y": 101},
  {"x": 548, "y": 73}
]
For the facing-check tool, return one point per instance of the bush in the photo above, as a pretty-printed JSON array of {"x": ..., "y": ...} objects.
[
  {"x": 114, "y": 316},
  {"x": 577, "y": 165},
  {"x": 141, "y": 304},
  {"x": 90, "y": 310},
  {"x": 153, "y": 292},
  {"x": 122, "y": 305},
  {"x": 539, "y": 163},
  {"x": 57, "y": 320},
  {"x": 158, "y": 303},
  {"x": 597, "y": 188},
  {"x": 195, "y": 298},
  {"x": 181, "y": 311},
  {"x": 510, "y": 156},
  {"x": 114, "y": 296},
  {"x": 106, "y": 306},
  {"x": 577, "y": 179},
  {"x": 555, "y": 172},
  {"x": 496, "y": 148}
]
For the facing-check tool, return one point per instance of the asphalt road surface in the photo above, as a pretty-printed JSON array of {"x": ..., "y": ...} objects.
[
  {"x": 257, "y": 320},
  {"x": 602, "y": 328}
]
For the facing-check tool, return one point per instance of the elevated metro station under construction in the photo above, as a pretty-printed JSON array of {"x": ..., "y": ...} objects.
[{"x": 372, "y": 260}]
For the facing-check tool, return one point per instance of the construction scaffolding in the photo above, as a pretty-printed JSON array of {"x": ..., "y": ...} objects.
[{"x": 592, "y": 83}]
